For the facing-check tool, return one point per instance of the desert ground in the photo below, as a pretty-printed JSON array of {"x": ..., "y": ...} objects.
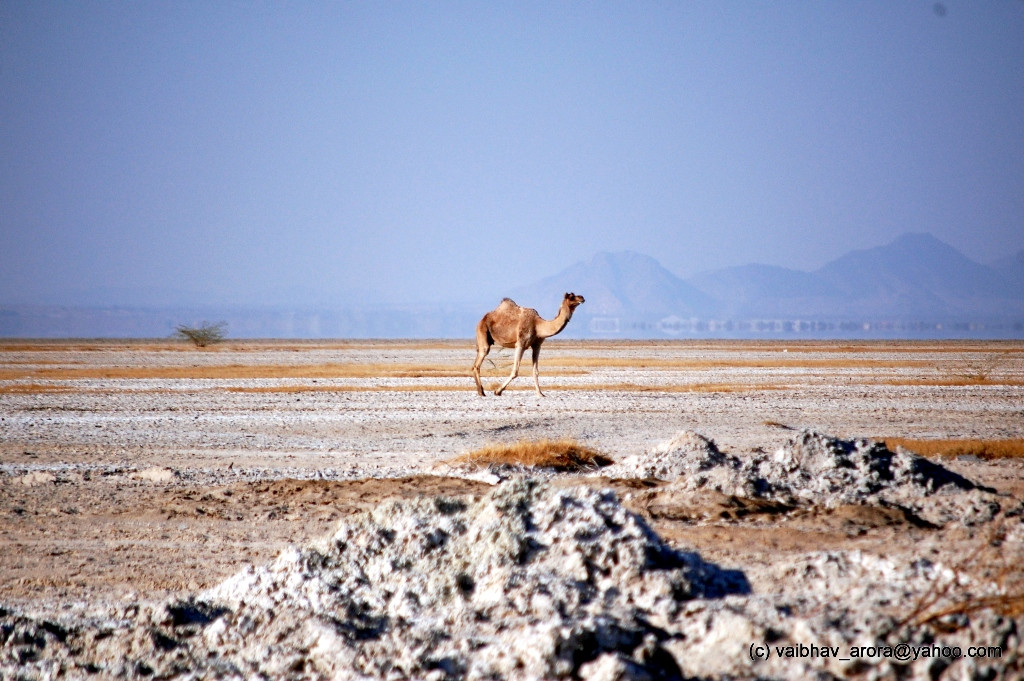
[{"x": 136, "y": 474}]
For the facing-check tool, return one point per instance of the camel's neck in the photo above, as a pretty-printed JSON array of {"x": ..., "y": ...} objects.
[{"x": 547, "y": 328}]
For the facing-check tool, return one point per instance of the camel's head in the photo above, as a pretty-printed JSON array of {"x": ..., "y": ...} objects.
[{"x": 573, "y": 300}]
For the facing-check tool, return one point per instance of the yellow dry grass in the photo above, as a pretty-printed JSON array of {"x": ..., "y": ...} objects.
[
  {"x": 799, "y": 346},
  {"x": 570, "y": 367},
  {"x": 979, "y": 364},
  {"x": 30, "y": 388},
  {"x": 699, "y": 364},
  {"x": 240, "y": 371},
  {"x": 949, "y": 382},
  {"x": 562, "y": 455},
  {"x": 983, "y": 449},
  {"x": 673, "y": 387},
  {"x": 410, "y": 387},
  {"x": 523, "y": 386}
]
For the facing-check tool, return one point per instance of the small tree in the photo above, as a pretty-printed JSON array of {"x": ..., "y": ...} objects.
[{"x": 204, "y": 334}]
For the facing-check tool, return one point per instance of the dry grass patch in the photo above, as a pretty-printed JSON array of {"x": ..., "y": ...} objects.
[
  {"x": 983, "y": 449},
  {"x": 411, "y": 387},
  {"x": 679, "y": 387},
  {"x": 778, "y": 345},
  {"x": 564, "y": 455},
  {"x": 698, "y": 364},
  {"x": 645, "y": 388},
  {"x": 31, "y": 388},
  {"x": 993, "y": 371},
  {"x": 421, "y": 387},
  {"x": 949, "y": 382},
  {"x": 243, "y": 371}
]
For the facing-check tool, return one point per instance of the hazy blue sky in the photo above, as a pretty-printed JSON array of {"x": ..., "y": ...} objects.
[{"x": 449, "y": 151}]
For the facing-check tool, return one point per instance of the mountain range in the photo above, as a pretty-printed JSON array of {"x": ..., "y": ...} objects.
[
  {"x": 915, "y": 283},
  {"x": 915, "y": 286}
]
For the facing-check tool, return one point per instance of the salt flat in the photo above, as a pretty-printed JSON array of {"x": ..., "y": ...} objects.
[{"x": 137, "y": 471}]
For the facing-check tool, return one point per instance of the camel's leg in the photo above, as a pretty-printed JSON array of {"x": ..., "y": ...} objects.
[
  {"x": 515, "y": 369},
  {"x": 480, "y": 354},
  {"x": 536, "y": 373},
  {"x": 482, "y": 348}
]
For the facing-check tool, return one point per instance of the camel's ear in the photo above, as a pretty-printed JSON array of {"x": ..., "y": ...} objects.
[{"x": 568, "y": 295}]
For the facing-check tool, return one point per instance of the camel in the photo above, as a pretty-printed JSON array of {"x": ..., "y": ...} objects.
[{"x": 511, "y": 326}]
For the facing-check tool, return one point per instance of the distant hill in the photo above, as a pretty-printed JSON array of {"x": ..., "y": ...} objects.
[
  {"x": 626, "y": 287},
  {"x": 916, "y": 284},
  {"x": 916, "y": 275},
  {"x": 1012, "y": 269},
  {"x": 761, "y": 291}
]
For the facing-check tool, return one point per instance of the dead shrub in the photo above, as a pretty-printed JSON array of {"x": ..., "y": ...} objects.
[
  {"x": 207, "y": 333},
  {"x": 990, "y": 560}
]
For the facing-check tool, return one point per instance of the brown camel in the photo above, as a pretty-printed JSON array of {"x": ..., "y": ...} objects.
[{"x": 511, "y": 326}]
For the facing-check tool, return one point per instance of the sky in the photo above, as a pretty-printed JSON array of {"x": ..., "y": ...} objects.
[{"x": 333, "y": 152}]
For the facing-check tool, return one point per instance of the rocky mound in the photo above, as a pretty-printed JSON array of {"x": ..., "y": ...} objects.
[
  {"x": 817, "y": 469},
  {"x": 529, "y": 582},
  {"x": 687, "y": 455}
]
